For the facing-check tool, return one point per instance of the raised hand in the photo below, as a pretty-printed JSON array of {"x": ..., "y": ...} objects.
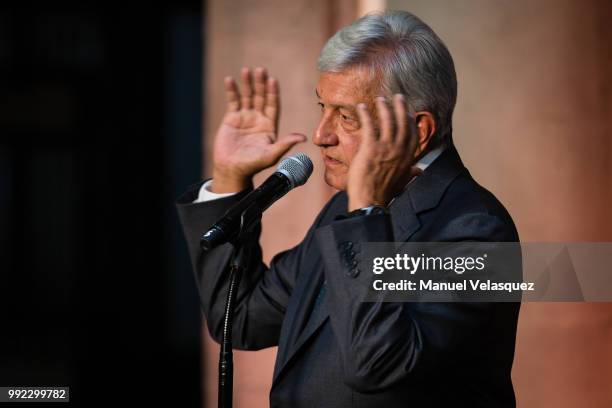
[
  {"x": 384, "y": 162},
  {"x": 247, "y": 141}
]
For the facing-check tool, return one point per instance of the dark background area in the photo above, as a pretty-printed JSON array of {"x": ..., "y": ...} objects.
[{"x": 100, "y": 118}]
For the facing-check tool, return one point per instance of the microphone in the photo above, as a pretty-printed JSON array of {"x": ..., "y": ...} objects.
[{"x": 293, "y": 171}]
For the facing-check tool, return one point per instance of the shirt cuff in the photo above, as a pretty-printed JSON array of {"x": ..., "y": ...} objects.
[{"x": 206, "y": 195}]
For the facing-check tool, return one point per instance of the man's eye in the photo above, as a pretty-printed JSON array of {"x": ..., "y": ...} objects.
[
  {"x": 347, "y": 118},
  {"x": 321, "y": 105}
]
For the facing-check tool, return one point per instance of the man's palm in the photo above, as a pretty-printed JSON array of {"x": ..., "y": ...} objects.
[{"x": 247, "y": 141}]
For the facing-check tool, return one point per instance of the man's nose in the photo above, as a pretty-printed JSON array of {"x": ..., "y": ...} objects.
[{"x": 325, "y": 134}]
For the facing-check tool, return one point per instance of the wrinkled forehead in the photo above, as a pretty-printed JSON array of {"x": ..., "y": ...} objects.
[{"x": 348, "y": 87}]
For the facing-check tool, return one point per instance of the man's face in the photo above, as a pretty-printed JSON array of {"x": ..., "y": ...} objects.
[{"x": 338, "y": 133}]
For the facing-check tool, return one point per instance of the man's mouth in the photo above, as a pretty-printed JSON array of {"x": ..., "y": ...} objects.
[{"x": 330, "y": 161}]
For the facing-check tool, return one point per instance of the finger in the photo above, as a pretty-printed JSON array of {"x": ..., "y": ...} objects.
[
  {"x": 401, "y": 129},
  {"x": 259, "y": 99},
  {"x": 385, "y": 119},
  {"x": 272, "y": 107},
  {"x": 282, "y": 145},
  {"x": 246, "y": 88},
  {"x": 365, "y": 121},
  {"x": 412, "y": 131},
  {"x": 231, "y": 94}
]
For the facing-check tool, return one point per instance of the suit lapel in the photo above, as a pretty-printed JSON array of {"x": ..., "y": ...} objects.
[
  {"x": 403, "y": 217},
  {"x": 428, "y": 189},
  {"x": 424, "y": 193}
]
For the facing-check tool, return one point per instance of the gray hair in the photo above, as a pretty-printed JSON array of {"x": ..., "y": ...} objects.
[{"x": 408, "y": 57}]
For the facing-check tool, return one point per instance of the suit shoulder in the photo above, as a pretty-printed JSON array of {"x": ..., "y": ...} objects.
[
  {"x": 469, "y": 210},
  {"x": 466, "y": 194}
]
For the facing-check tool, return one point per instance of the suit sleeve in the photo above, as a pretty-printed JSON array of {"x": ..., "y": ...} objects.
[
  {"x": 264, "y": 291},
  {"x": 382, "y": 343}
]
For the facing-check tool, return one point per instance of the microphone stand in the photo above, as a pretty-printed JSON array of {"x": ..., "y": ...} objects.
[
  {"x": 239, "y": 261},
  {"x": 226, "y": 358}
]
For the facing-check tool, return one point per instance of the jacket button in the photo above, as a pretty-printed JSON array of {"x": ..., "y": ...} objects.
[
  {"x": 350, "y": 262},
  {"x": 353, "y": 272},
  {"x": 348, "y": 254},
  {"x": 345, "y": 246}
]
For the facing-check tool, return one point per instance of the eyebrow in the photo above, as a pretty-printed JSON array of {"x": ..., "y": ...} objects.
[{"x": 349, "y": 107}]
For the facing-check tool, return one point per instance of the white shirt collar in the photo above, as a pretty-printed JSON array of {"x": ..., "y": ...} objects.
[{"x": 429, "y": 157}]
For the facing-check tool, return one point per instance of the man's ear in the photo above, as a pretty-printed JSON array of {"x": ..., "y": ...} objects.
[{"x": 425, "y": 124}]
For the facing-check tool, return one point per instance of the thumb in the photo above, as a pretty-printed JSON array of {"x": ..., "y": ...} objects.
[{"x": 283, "y": 144}]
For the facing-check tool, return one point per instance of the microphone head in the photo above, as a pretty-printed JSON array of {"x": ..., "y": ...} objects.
[{"x": 296, "y": 168}]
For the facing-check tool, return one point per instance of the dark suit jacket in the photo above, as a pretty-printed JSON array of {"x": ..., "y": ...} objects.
[{"x": 350, "y": 353}]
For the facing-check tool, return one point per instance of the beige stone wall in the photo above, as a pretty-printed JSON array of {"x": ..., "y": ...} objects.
[{"x": 533, "y": 124}]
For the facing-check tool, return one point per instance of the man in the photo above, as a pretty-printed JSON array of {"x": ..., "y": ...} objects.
[{"x": 387, "y": 90}]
